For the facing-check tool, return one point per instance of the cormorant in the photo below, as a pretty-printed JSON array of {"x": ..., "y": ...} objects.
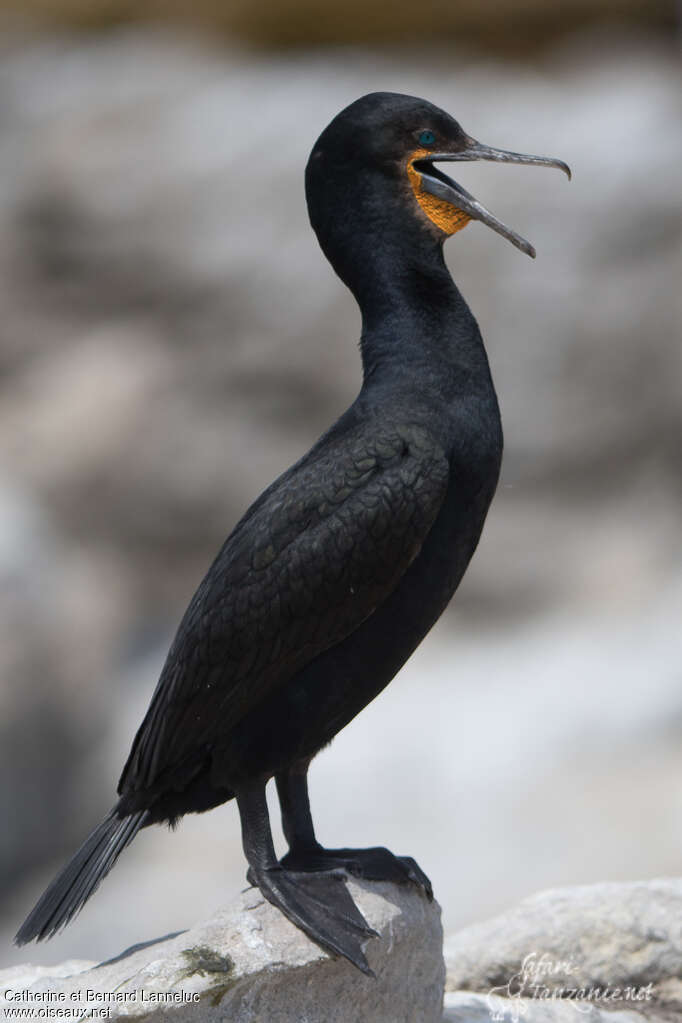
[{"x": 340, "y": 568}]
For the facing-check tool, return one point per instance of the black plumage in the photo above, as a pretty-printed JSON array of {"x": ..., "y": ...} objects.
[{"x": 340, "y": 568}]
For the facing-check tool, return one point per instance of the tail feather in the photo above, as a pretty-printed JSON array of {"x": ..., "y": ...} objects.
[{"x": 74, "y": 885}]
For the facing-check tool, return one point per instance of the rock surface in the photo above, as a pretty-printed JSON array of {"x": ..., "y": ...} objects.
[
  {"x": 248, "y": 963},
  {"x": 616, "y": 947},
  {"x": 603, "y": 953},
  {"x": 465, "y": 1007}
]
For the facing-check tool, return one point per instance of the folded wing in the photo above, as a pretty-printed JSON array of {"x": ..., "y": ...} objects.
[{"x": 311, "y": 560}]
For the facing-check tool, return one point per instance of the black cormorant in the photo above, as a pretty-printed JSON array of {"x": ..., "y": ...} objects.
[{"x": 340, "y": 568}]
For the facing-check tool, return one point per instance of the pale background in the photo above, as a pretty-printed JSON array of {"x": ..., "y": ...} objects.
[{"x": 171, "y": 338}]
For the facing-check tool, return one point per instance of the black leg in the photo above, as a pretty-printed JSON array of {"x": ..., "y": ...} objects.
[
  {"x": 297, "y": 821},
  {"x": 256, "y": 833},
  {"x": 319, "y": 905},
  {"x": 306, "y": 853}
]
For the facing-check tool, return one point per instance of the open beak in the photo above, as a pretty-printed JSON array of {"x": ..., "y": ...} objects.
[{"x": 443, "y": 187}]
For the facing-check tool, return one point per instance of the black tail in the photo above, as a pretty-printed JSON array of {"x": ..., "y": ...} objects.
[{"x": 71, "y": 888}]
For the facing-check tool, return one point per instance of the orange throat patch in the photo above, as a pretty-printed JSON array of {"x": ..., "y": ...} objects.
[{"x": 443, "y": 214}]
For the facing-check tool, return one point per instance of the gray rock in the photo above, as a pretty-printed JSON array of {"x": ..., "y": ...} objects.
[
  {"x": 466, "y": 1007},
  {"x": 248, "y": 963},
  {"x": 616, "y": 949}
]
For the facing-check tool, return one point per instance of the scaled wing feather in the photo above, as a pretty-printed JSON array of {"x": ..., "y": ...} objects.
[{"x": 326, "y": 544}]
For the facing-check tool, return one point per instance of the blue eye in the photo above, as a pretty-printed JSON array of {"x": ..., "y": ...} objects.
[{"x": 427, "y": 138}]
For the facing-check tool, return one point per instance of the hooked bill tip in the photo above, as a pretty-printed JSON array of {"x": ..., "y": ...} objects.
[{"x": 521, "y": 244}]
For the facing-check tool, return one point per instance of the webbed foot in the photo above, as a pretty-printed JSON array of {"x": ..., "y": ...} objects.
[
  {"x": 321, "y": 906},
  {"x": 374, "y": 864}
]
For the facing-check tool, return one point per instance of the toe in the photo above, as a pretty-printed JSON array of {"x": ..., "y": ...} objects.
[{"x": 416, "y": 875}]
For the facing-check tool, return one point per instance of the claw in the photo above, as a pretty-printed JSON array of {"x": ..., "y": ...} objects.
[{"x": 416, "y": 875}]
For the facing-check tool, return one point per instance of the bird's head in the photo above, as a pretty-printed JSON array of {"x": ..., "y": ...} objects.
[{"x": 374, "y": 166}]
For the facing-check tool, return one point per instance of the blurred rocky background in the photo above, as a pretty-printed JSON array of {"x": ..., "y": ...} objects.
[{"x": 171, "y": 338}]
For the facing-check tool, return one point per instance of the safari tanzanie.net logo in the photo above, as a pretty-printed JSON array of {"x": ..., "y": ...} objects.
[{"x": 541, "y": 978}]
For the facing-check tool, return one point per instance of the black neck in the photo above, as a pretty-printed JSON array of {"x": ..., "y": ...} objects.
[{"x": 414, "y": 319}]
